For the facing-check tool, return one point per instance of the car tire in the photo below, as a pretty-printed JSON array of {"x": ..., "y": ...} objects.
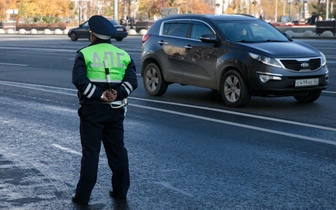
[
  {"x": 119, "y": 39},
  {"x": 233, "y": 90},
  {"x": 153, "y": 80},
  {"x": 308, "y": 96},
  {"x": 73, "y": 36}
]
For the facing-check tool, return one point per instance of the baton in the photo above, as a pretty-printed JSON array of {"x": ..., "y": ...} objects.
[{"x": 107, "y": 72}]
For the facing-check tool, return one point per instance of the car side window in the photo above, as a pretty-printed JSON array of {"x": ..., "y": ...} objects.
[
  {"x": 175, "y": 29},
  {"x": 86, "y": 25},
  {"x": 199, "y": 30},
  {"x": 236, "y": 32}
]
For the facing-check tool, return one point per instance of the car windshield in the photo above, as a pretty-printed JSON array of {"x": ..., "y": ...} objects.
[
  {"x": 251, "y": 31},
  {"x": 114, "y": 22}
]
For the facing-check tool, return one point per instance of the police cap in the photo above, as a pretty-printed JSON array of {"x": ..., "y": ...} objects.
[{"x": 101, "y": 27}]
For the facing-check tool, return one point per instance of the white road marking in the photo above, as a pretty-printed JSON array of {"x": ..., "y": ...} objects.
[
  {"x": 332, "y": 92},
  {"x": 239, "y": 114},
  {"x": 241, "y": 125},
  {"x": 167, "y": 185},
  {"x": 12, "y": 64},
  {"x": 39, "y": 49},
  {"x": 308, "y": 138},
  {"x": 66, "y": 149}
]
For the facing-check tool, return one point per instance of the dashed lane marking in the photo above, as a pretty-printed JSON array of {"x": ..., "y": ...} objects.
[{"x": 66, "y": 149}]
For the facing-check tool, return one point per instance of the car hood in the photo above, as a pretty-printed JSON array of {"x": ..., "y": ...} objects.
[
  {"x": 280, "y": 49},
  {"x": 71, "y": 29},
  {"x": 75, "y": 28}
]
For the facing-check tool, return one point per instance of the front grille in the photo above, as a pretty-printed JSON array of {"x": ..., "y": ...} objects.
[{"x": 298, "y": 65}]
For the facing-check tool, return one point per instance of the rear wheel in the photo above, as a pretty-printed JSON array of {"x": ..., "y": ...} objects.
[
  {"x": 153, "y": 80},
  {"x": 234, "y": 90},
  {"x": 119, "y": 39},
  {"x": 309, "y": 96}
]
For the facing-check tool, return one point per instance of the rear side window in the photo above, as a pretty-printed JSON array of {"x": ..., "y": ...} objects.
[{"x": 175, "y": 29}]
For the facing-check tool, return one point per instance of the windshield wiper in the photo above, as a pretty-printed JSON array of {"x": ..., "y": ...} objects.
[
  {"x": 271, "y": 40},
  {"x": 245, "y": 41}
]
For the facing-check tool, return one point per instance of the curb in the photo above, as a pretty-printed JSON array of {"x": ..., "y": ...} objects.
[
  {"x": 311, "y": 35},
  {"x": 57, "y": 32}
]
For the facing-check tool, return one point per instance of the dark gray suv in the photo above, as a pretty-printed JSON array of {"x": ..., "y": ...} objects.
[{"x": 237, "y": 55}]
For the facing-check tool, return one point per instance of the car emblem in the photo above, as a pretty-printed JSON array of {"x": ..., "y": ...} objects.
[{"x": 304, "y": 65}]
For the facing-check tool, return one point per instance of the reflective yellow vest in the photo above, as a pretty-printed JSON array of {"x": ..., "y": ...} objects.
[{"x": 117, "y": 61}]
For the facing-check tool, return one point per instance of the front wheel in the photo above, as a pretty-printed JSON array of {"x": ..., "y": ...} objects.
[
  {"x": 73, "y": 36},
  {"x": 309, "y": 96},
  {"x": 234, "y": 90},
  {"x": 153, "y": 80},
  {"x": 119, "y": 39}
]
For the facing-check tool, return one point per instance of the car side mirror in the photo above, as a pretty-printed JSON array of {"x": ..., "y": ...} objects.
[
  {"x": 288, "y": 35},
  {"x": 208, "y": 38}
]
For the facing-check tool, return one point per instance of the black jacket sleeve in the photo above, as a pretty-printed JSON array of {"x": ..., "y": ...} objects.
[
  {"x": 86, "y": 89},
  {"x": 129, "y": 83}
]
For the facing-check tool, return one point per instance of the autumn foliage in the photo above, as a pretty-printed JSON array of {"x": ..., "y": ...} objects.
[
  {"x": 54, "y": 11},
  {"x": 44, "y": 10}
]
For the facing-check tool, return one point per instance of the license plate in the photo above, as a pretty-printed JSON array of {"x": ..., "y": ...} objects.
[
  {"x": 120, "y": 29},
  {"x": 306, "y": 82}
]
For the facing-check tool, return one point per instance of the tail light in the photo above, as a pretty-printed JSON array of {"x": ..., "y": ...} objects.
[{"x": 145, "y": 37}]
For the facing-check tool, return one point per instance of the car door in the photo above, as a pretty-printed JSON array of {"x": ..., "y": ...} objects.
[
  {"x": 172, "y": 37},
  {"x": 200, "y": 59}
]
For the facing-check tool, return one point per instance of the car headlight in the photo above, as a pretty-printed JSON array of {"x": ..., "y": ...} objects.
[
  {"x": 324, "y": 60},
  {"x": 265, "y": 60}
]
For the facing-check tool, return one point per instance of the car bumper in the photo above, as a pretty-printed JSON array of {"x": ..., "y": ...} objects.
[{"x": 268, "y": 81}]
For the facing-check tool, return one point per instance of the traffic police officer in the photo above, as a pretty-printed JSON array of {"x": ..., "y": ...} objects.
[{"x": 104, "y": 76}]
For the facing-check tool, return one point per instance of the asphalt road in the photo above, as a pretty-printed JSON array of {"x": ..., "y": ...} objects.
[{"x": 186, "y": 149}]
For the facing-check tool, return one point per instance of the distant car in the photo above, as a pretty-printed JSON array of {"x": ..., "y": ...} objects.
[
  {"x": 237, "y": 55},
  {"x": 83, "y": 31}
]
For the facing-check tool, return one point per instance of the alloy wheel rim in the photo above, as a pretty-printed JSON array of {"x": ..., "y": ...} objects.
[
  {"x": 232, "y": 89},
  {"x": 152, "y": 79}
]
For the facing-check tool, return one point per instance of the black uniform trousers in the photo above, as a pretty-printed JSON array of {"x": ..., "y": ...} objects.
[{"x": 100, "y": 122}]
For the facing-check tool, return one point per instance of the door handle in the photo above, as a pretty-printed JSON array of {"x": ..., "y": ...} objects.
[
  {"x": 162, "y": 42},
  {"x": 188, "y": 47}
]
